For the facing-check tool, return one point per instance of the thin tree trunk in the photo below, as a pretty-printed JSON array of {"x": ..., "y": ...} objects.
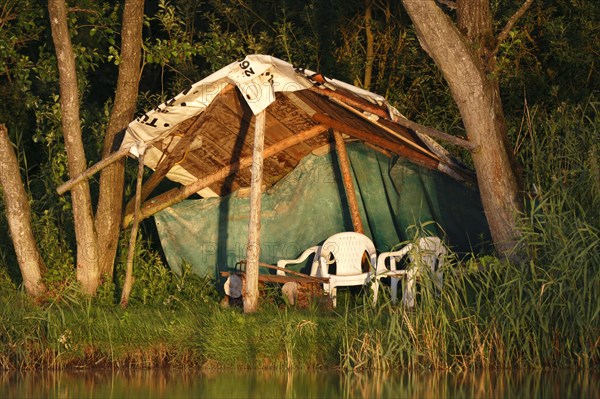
[
  {"x": 88, "y": 273},
  {"x": 128, "y": 283},
  {"x": 478, "y": 99},
  {"x": 112, "y": 178},
  {"x": 18, "y": 215},
  {"x": 370, "y": 56}
]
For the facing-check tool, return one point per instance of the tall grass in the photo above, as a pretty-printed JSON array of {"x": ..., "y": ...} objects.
[{"x": 489, "y": 314}]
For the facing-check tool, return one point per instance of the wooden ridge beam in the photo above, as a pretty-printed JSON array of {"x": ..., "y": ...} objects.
[
  {"x": 397, "y": 135},
  {"x": 355, "y": 102},
  {"x": 415, "y": 156},
  {"x": 436, "y": 134}
]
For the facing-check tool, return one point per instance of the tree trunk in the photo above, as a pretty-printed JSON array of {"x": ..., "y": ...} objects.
[
  {"x": 88, "y": 273},
  {"x": 370, "y": 55},
  {"x": 19, "y": 219},
  {"x": 112, "y": 178},
  {"x": 477, "y": 96},
  {"x": 128, "y": 283},
  {"x": 474, "y": 20}
]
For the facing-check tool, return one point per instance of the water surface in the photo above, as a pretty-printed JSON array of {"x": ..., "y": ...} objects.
[{"x": 173, "y": 383}]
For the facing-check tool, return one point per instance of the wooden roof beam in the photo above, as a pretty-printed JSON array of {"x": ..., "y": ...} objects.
[
  {"x": 415, "y": 156},
  {"x": 364, "y": 105},
  {"x": 172, "y": 158},
  {"x": 396, "y": 148}
]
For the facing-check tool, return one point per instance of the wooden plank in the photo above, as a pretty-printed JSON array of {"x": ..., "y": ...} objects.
[
  {"x": 253, "y": 247},
  {"x": 275, "y": 278},
  {"x": 276, "y": 131},
  {"x": 174, "y": 196},
  {"x": 344, "y": 162}
]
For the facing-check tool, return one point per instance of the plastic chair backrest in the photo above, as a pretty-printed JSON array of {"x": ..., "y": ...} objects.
[
  {"x": 347, "y": 249},
  {"x": 431, "y": 252}
]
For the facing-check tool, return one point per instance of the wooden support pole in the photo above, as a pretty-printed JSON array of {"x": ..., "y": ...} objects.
[
  {"x": 127, "y": 285},
  {"x": 253, "y": 247},
  {"x": 436, "y": 134},
  {"x": 344, "y": 162},
  {"x": 176, "y": 195},
  {"x": 112, "y": 158}
]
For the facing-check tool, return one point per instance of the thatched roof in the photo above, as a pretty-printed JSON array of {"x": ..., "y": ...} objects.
[{"x": 206, "y": 132}]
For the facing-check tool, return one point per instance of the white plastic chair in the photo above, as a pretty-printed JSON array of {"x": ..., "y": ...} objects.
[
  {"x": 316, "y": 250},
  {"x": 347, "y": 251},
  {"x": 427, "y": 251}
]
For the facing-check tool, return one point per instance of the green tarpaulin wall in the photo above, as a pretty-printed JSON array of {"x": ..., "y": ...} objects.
[{"x": 309, "y": 205}]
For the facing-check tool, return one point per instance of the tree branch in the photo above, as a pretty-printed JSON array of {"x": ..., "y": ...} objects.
[{"x": 510, "y": 25}]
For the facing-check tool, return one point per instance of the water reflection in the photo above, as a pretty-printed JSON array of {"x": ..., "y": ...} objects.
[{"x": 171, "y": 383}]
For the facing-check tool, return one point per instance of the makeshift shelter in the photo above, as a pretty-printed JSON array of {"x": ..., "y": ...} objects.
[{"x": 393, "y": 175}]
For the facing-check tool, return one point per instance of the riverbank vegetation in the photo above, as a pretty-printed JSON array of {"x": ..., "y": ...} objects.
[
  {"x": 537, "y": 310},
  {"x": 492, "y": 314}
]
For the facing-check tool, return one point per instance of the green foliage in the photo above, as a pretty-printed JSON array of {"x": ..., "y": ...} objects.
[
  {"x": 272, "y": 338},
  {"x": 154, "y": 283},
  {"x": 7, "y": 286},
  {"x": 288, "y": 30},
  {"x": 19, "y": 27}
]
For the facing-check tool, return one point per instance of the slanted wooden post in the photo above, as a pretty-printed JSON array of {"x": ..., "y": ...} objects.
[
  {"x": 344, "y": 162},
  {"x": 134, "y": 230},
  {"x": 109, "y": 160},
  {"x": 253, "y": 249}
]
